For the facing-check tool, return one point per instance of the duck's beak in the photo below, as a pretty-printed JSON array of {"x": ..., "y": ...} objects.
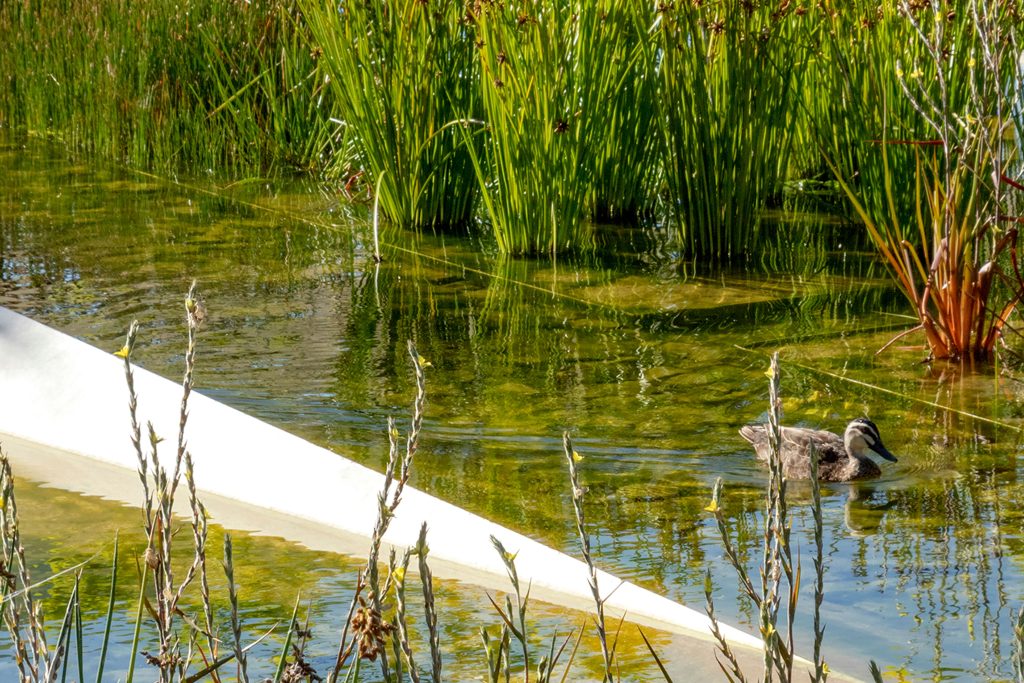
[{"x": 880, "y": 448}]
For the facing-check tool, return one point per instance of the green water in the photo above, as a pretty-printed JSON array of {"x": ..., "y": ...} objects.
[{"x": 652, "y": 366}]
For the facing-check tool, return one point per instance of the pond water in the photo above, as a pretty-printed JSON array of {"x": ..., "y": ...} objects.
[{"x": 650, "y": 363}]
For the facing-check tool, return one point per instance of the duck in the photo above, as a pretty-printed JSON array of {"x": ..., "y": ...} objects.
[{"x": 840, "y": 458}]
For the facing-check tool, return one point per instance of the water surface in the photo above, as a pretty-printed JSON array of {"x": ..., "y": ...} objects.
[{"x": 650, "y": 363}]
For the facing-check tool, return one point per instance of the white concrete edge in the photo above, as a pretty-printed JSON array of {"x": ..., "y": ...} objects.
[{"x": 66, "y": 395}]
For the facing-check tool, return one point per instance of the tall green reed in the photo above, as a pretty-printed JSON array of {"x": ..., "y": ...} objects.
[
  {"x": 627, "y": 169},
  {"x": 730, "y": 74},
  {"x": 402, "y": 73},
  {"x": 171, "y": 86},
  {"x": 550, "y": 71},
  {"x": 284, "y": 104}
]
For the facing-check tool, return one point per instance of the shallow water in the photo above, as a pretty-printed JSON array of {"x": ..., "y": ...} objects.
[{"x": 650, "y": 364}]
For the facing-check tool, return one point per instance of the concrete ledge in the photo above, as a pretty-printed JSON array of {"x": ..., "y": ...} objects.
[{"x": 64, "y": 395}]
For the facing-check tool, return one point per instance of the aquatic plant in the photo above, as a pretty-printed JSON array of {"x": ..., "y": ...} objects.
[
  {"x": 159, "y": 486},
  {"x": 221, "y": 87},
  {"x": 852, "y": 98},
  {"x": 548, "y": 71},
  {"x": 401, "y": 71},
  {"x": 284, "y": 105},
  {"x": 730, "y": 76},
  {"x": 855, "y": 105},
  {"x": 36, "y": 661},
  {"x": 955, "y": 256},
  {"x": 627, "y": 167}
]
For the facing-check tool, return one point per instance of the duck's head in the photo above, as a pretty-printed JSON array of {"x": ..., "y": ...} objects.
[{"x": 862, "y": 436}]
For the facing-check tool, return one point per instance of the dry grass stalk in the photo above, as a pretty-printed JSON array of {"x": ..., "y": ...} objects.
[
  {"x": 236, "y": 624},
  {"x": 168, "y": 593},
  {"x": 159, "y": 489},
  {"x": 136, "y": 430},
  {"x": 578, "y": 492},
  {"x": 1018, "y": 646},
  {"x": 199, "y": 537},
  {"x": 429, "y": 610},
  {"x": 514, "y": 620},
  {"x": 373, "y": 632},
  {"x": 820, "y": 667},
  {"x": 779, "y": 571},
  {"x": 403, "y": 641},
  {"x": 19, "y": 604}
]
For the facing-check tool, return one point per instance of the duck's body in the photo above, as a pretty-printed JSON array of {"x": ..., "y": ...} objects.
[{"x": 840, "y": 458}]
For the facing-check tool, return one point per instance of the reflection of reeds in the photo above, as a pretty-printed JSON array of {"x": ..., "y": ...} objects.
[{"x": 965, "y": 529}]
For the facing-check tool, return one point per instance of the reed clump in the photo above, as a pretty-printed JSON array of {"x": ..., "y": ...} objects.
[
  {"x": 549, "y": 72},
  {"x": 402, "y": 73},
  {"x": 545, "y": 116},
  {"x": 947, "y": 226},
  {"x": 627, "y": 168},
  {"x": 228, "y": 88},
  {"x": 730, "y": 77},
  {"x": 862, "y": 125}
]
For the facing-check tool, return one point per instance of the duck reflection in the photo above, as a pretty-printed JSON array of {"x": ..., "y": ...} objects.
[{"x": 865, "y": 508}]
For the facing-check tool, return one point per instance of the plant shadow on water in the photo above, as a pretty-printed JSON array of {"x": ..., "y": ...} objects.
[{"x": 637, "y": 354}]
